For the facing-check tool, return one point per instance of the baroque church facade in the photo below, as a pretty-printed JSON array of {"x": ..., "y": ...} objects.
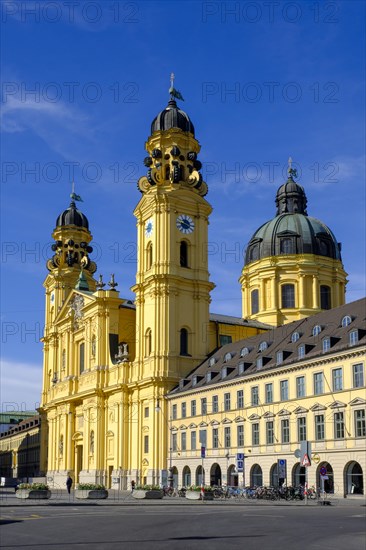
[{"x": 115, "y": 370}]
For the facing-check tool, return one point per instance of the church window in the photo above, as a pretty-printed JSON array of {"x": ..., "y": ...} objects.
[
  {"x": 92, "y": 442},
  {"x": 148, "y": 342},
  {"x": 287, "y": 246},
  {"x": 288, "y": 296},
  {"x": 183, "y": 341},
  {"x": 81, "y": 357},
  {"x": 146, "y": 444},
  {"x": 184, "y": 254},
  {"x": 325, "y": 302},
  {"x": 149, "y": 256},
  {"x": 63, "y": 359},
  {"x": 255, "y": 301},
  {"x": 93, "y": 346}
]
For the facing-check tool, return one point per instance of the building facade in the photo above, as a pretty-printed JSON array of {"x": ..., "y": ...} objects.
[{"x": 112, "y": 366}]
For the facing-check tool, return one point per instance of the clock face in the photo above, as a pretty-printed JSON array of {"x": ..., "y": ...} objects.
[
  {"x": 149, "y": 228},
  {"x": 185, "y": 224}
]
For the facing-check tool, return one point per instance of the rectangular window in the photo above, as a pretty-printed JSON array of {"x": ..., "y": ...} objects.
[
  {"x": 203, "y": 406},
  {"x": 284, "y": 390},
  {"x": 184, "y": 410},
  {"x": 146, "y": 412},
  {"x": 360, "y": 425},
  {"x": 146, "y": 444},
  {"x": 227, "y": 436},
  {"x": 82, "y": 357},
  {"x": 269, "y": 433},
  {"x": 215, "y": 438},
  {"x": 318, "y": 383},
  {"x": 285, "y": 430},
  {"x": 338, "y": 425},
  {"x": 337, "y": 379},
  {"x": 301, "y": 351},
  {"x": 254, "y": 301},
  {"x": 240, "y": 399},
  {"x": 326, "y": 345},
  {"x": 319, "y": 427},
  {"x": 300, "y": 386},
  {"x": 288, "y": 296},
  {"x": 358, "y": 380},
  {"x": 240, "y": 435},
  {"x": 301, "y": 429},
  {"x": 225, "y": 339},
  {"x": 215, "y": 403},
  {"x": 279, "y": 357},
  {"x": 174, "y": 442},
  {"x": 255, "y": 395},
  {"x": 269, "y": 393},
  {"x": 183, "y": 441},
  {"x": 193, "y": 441},
  {"x": 353, "y": 337},
  {"x": 227, "y": 402},
  {"x": 193, "y": 408},
  {"x": 174, "y": 412},
  {"x": 255, "y": 434}
]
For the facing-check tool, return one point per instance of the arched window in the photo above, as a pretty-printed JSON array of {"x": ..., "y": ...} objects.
[
  {"x": 263, "y": 346},
  {"x": 92, "y": 442},
  {"x": 81, "y": 357},
  {"x": 254, "y": 301},
  {"x": 93, "y": 346},
  {"x": 288, "y": 296},
  {"x": 254, "y": 253},
  {"x": 295, "y": 337},
  {"x": 149, "y": 255},
  {"x": 346, "y": 321},
  {"x": 325, "y": 301},
  {"x": 316, "y": 330},
  {"x": 244, "y": 352},
  {"x": 183, "y": 341},
  {"x": 183, "y": 254},
  {"x": 148, "y": 342},
  {"x": 63, "y": 359},
  {"x": 287, "y": 246}
]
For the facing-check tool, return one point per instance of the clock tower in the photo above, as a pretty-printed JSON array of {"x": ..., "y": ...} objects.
[{"x": 172, "y": 282}]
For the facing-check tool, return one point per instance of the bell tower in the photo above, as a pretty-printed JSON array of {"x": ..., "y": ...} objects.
[{"x": 172, "y": 281}]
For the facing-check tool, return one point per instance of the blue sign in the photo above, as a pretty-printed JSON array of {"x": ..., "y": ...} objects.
[
  {"x": 203, "y": 452},
  {"x": 282, "y": 468},
  {"x": 240, "y": 465},
  {"x": 240, "y": 456}
]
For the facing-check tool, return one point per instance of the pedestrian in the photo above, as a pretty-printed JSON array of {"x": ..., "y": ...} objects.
[
  {"x": 133, "y": 483},
  {"x": 69, "y": 483}
]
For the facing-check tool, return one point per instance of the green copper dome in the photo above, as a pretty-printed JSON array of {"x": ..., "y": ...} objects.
[{"x": 292, "y": 231}]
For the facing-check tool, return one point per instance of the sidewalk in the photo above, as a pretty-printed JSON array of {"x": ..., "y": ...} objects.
[{"x": 123, "y": 498}]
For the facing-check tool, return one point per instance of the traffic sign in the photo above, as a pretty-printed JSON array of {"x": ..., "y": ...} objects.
[
  {"x": 282, "y": 467},
  {"x": 240, "y": 465},
  {"x": 203, "y": 452},
  {"x": 239, "y": 456},
  {"x": 305, "y": 461},
  {"x": 323, "y": 471}
]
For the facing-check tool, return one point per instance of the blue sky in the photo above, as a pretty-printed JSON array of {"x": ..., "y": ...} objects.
[{"x": 81, "y": 84}]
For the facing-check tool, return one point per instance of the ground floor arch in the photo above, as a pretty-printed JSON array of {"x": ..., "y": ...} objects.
[
  {"x": 232, "y": 476},
  {"x": 200, "y": 475},
  {"x": 298, "y": 475},
  {"x": 256, "y": 476},
  {"x": 174, "y": 474},
  {"x": 186, "y": 476},
  {"x": 353, "y": 479},
  {"x": 215, "y": 474},
  {"x": 273, "y": 475},
  {"x": 325, "y": 481}
]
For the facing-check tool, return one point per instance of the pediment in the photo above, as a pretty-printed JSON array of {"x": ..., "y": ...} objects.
[
  {"x": 76, "y": 300},
  {"x": 226, "y": 421},
  {"x": 284, "y": 412},
  {"x": 193, "y": 425},
  {"x": 239, "y": 419},
  {"x": 358, "y": 401},
  {"x": 214, "y": 423},
  {"x": 318, "y": 407},
  {"x": 268, "y": 414},
  {"x": 110, "y": 433},
  {"x": 254, "y": 417},
  {"x": 145, "y": 429},
  {"x": 145, "y": 462},
  {"x": 300, "y": 410},
  {"x": 337, "y": 405},
  {"x": 77, "y": 436},
  {"x": 183, "y": 427},
  {"x": 203, "y": 424}
]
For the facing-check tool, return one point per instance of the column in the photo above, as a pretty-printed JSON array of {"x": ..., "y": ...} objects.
[
  {"x": 262, "y": 299},
  {"x": 302, "y": 304},
  {"x": 315, "y": 292},
  {"x": 274, "y": 293}
]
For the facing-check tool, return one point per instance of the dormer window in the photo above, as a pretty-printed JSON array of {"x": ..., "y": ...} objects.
[
  {"x": 346, "y": 321},
  {"x": 301, "y": 351},
  {"x": 244, "y": 352},
  {"x": 259, "y": 363},
  {"x": 223, "y": 373},
  {"x": 208, "y": 376},
  {"x": 295, "y": 337},
  {"x": 353, "y": 337},
  {"x": 263, "y": 346},
  {"x": 279, "y": 357},
  {"x": 211, "y": 362},
  {"x": 228, "y": 356},
  {"x": 326, "y": 344},
  {"x": 241, "y": 368},
  {"x": 194, "y": 381},
  {"x": 316, "y": 330}
]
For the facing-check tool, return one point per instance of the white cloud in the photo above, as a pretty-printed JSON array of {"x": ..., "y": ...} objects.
[{"x": 21, "y": 386}]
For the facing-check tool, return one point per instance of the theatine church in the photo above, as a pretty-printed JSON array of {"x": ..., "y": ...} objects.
[{"x": 160, "y": 388}]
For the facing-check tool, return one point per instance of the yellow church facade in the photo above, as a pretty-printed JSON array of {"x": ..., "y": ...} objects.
[{"x": 112, "y": 367}]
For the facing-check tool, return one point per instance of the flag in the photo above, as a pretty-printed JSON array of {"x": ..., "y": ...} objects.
[
  {"x": 174, "y": 93},
  {"x": 76, "y": 197}
]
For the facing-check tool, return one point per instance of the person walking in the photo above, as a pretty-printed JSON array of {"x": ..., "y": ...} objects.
[{"x": 69, "y": 483}]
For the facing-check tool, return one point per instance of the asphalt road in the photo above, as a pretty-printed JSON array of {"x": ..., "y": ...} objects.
[{"x": 183, "y": 527}]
